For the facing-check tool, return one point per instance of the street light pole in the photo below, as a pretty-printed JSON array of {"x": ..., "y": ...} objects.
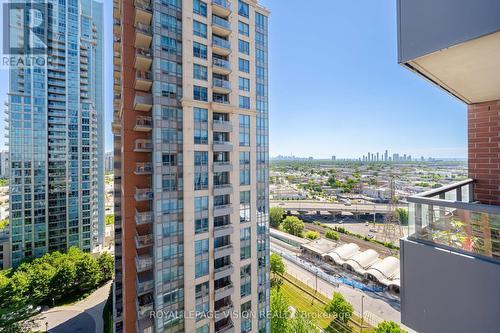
[{"x": 362, "y": 313}]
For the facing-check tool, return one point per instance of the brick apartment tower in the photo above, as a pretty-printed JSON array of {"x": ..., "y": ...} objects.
[
  {"x": 191, "y": 165},
  {"x": 484, "y": 150}
]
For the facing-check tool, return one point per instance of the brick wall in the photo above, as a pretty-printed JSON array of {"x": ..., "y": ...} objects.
[{"x": 484, "y": 150}]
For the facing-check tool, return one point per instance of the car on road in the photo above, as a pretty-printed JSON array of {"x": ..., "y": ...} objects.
[{"x": 370, "y": 236}]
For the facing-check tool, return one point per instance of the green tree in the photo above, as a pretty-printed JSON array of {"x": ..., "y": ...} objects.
[
  {"x": 277, "y": 266},
  {"x": 89, "y": 274},
  {"x": 280, "y": 313},
  {"x": 293, "y": 225},
  {"x": 403, "y": 215},
  {"x": 330, "y": 234},
  {"x": 106, "y": 266},
  {"x": 64, "y": 280},
  {"x": 40, "y": 276},
  {"x": 388, "y": 327},
  {"x": 339, "y": 307},
  {"x": 312, "y": 235},
  {"x": 276, "y": 216},
  {"x": 110, "y": 219},
  {"x": 302, "y": 323}
]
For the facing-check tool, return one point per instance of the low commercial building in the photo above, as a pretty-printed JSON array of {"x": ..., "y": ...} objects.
[{"x": 318, "y": 248}]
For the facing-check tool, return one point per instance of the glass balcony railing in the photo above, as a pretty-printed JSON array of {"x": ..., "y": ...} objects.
[
  {"x": 220, "y": 42},
  {"x": 143, "y": 194},
  {"x": 221, "y": 22},
  {"x": 219, "y": 83},
  {"x": 222, "y": 3},
  {"x": 143, "y": 217},
  {"x": 221, "y": 63},
  {"x": 448, "y": 217},
  {"x": 143, "y": 5}
]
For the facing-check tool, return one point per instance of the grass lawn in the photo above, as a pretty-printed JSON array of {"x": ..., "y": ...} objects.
[{"x": 314, "y": 306}]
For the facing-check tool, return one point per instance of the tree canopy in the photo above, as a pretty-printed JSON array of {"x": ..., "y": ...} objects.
[
  {"x": 276, "y": 216},
  {"x": 293, "y": 225},
  {"x": 340, "y": 307}
]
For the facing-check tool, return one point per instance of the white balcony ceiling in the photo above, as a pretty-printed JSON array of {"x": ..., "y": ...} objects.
[{"x": 470, "y": 70}]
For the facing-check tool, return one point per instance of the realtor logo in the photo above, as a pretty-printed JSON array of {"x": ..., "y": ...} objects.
[{"x": 25, "y": 30}]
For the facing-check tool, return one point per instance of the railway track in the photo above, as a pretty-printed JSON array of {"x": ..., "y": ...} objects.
[{"x": 363, "y": 245}]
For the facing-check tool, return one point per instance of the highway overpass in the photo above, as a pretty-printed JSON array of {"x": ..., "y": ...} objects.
[{"x": 333, "y": 208}]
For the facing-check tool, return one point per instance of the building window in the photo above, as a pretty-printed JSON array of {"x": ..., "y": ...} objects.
[
  {"x": 200, "y": 72},
  {"x": 243, "y": 65},
  {"x": 244, "y": 102},
  {"x": 171, "y": 23},
  {"x": 201, "y": 247},
  {"x": 200, "y": 225},
  {"x": 171, "y": 68},
  {"x": 200, "y": 158},
  {"x": 200, "y": 8},
  {"x": 243, "y": 29},
  {"x": 244, "y": 158},
  {"x": 244, "y": 130},
  {"x": 200, "y": 50},
  {"x": 199, "y": 29},
  {"x": 243, "y": 47},
  {"x": 244, "y": 177},
  {"x": 246, "y": 289},
  {"x": 200, "y": 181},
  {"x": 244, "y": 84},
  {"x": 244, "y": 206},
  {"x": 200, "y": 93},
  {"x": 200, "y": 126},
  {"x": 243, "y": 9},
  {"x": 203, "y": 329},
  {"x": 171, "y": 45},
  {"x": 200, "y": 204},
  {"x": 201, "y": 268}
]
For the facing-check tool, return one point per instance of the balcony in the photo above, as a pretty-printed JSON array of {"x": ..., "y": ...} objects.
[
  {"x": 143, "y": 168},
  {"x": 143, "y": 59},
  {"x": 221, "y": 26},
  {"x": 143, "y": 102},
  {"x": 143, "y": 35},
  {"x": 145, "y": 284},
  {"x": 221, "y": 46},
  {"x": 143, "y": 124},
  {"x": 224, "y": 230},
  {"x": 223, "y": 307},
  {"x": 447, "y": 217},
  {"x": 221, "y": 66},
  {"x": 143, "y": 146},
  {"x": 222, "y": 126},
  {"x": 221, "y": 7},
  {"x": 223, "y": 251},
  {"x": 221, "y": 86},
  {"x": 143, "y": 194},
  {"x": 142, "y": 218},
  {"x": 223, "y": 271},
  {"x": 223, "y": 210},
  {"x": 143, "y": 241},
  {"x": 143, "y": 12},
  {"x": 223, "y": 167},
  {"x": 145, "y": 304},
  {"x": 143, "y": 263},
  {"x": 143, "y": 80},
  {"x": 450, "y": 261},
  {"x": 225, "y": 291},
  {"x": 223, "y": 189},
  {"x": 222, "y": 146}
]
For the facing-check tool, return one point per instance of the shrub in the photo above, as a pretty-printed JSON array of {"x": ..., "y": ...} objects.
[
  {"x": 293, "y": 225},
  {"x": 330, "y": 234},
  {"x": 312, "y": 235}
]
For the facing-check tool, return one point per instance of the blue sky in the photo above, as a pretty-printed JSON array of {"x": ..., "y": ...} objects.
[{"x": 336, "y": 87}]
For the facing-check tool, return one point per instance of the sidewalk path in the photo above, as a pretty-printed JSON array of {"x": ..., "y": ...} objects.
[{"x": 84, "y": 316}]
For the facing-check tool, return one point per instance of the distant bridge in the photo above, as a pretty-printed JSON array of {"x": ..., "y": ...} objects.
[{"x": 333, "y": 208}]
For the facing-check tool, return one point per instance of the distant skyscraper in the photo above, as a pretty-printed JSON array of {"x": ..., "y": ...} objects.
[
  {"x": 4, "y": 164},
  {"x": 57, "y": 181},
  {"x": 108, "y": 162},
  {"x": 386, "y": 156},
  {"x": 334, "y": 158}
]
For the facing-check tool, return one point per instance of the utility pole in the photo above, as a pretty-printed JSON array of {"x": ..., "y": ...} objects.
[
  {"x": 316, "y": 290},
  {"x": 362, "y": 313}
]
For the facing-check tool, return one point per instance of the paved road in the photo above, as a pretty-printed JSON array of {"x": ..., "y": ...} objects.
[
  {"x": 82, "y": 317},
  {"x": 331, "y": 206}
]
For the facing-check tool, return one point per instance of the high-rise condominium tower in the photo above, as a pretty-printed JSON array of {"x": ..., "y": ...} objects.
[
  {"x": 55, "y": 116},
  {"x": 191, "y": 166}
]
